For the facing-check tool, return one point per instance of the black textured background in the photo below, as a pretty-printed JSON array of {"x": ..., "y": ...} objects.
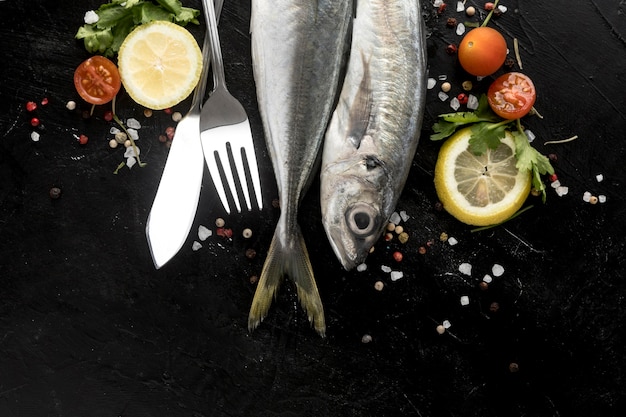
[{"x": 88, "y": 327}]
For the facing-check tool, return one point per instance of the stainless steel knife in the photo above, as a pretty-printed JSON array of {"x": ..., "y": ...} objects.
[{"x": 176, "y": 201}]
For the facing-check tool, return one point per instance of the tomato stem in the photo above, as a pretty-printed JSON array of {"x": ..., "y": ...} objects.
[{"x": 495, "y": 4}]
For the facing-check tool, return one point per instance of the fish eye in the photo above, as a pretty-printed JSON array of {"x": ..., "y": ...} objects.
[{"x": 362, "y": 219}]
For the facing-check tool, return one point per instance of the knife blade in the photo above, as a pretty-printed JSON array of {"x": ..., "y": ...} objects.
[{"x": 176, "y": 201}]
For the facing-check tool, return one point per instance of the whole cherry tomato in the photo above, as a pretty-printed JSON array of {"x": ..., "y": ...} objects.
[
  {"x": 482, "y": 51},
  {"x": 512, "y": 95},
  {"x": 97, "y": 80}
]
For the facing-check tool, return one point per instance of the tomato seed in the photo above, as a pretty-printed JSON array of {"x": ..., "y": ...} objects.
[
  {"x": 83, "y": 139},
  {"x": 44, "y": 101}
]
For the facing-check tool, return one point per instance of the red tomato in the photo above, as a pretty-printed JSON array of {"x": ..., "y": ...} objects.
[
  {"x": 512, "y": 95},
  {"x": 482, "y": 51},
  {"x": 97, "y": 80}
]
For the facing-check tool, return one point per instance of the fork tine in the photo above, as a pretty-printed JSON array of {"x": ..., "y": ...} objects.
[
  {"x": 217, "y": 181},
  {"x": 224, "y": 161},
  {"x": 254, "y": 172},
  {"x": 238, "y": 160}
]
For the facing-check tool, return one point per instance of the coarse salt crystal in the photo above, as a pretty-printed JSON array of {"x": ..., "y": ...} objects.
[
  {"x": 455, "y": 104},
  {"x": 460, "y": 6},
  {"x": 431, "y": 83},
  {"x": 465, "y": 268},
  {"x": 599, "y": 177},
  {"x": 446, "y": 324},
  {"x": 114, "y": 130},
  {"x": 602, "y": 198},
  {"x": 91, "y": 17},
  {"x": 130, "y": 162},
  {"x": 196, "y": 245},
  {"x": 405, "y": 217},
  {"x": 442, "y": 96},
  {"x": 396, "y": 275},
  {"x": 460, "y": 29},
  {"x": 561, "y": 191},
  {"x": 586, "y": 196},
  {"x": 452, "y": 241},
  {"x": 442, "y": 77},
  {"x": 204, "y": 232},
  {"x": 555, "y": 184},
  {"x": 133, "y": 134},
  {"x": 34, "y": 136},
  {"x": 502, "y": 8},
  {"x": 361, "y": 267},
  {"x": 487, "y": 278},
  {"x": 472, "y": 102},
  {"x": 133, "y": 123},
  {"x": 385, "y": 268},
  {"x": 530, "y": 135},
  {"x": 497, "y": 270},
  {"x": 395, "y": 218},
  {"x": 465, "y": 300},
  {"x": 130, "y": 152},
  {"x": 437, "y": 3}
]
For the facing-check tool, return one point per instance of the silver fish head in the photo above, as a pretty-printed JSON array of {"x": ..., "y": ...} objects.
[{"x": 355, "y": 207}]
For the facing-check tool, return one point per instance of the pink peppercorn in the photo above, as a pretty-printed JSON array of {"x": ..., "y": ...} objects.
[
  {"x": 31, "y": 106},
  {"x": 397, "y": 256},
  {"x": 34, "y": 122}
]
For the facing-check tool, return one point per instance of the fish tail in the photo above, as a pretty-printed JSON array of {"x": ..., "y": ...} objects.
[{"x": 294, "y": 262}]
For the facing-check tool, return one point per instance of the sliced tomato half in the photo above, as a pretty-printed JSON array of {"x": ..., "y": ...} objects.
[
  {"x": 512, "y": 95},
  {"x": 97, "y": 80}
]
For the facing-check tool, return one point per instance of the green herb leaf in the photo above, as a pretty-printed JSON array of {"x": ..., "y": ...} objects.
[
  {"x": 119, "y": 17},
  {"x": 529, "y": 159},
  {"x": 448, "y": 123},
  {"x": 486, "y": 135},
  {"x": 173, "y": 6}
]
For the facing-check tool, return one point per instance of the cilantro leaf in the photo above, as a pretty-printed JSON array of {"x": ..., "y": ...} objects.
[
  {"x": 173, "y": 6},
  {"x": 117, "y": 18},
  {"x": 485, "y": 136},
  {"x": 449, "y": 122},
  {"x": 529, "y": 159}
]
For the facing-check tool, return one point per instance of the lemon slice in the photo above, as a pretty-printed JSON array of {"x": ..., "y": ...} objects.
[
  {"x": 160, "y": 64},
  {"x": 480, "y": 190}
]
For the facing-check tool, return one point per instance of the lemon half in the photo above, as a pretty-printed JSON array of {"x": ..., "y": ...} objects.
[
  {"x": 160, "y": 64},
  {"x": 480, "y": 190}
]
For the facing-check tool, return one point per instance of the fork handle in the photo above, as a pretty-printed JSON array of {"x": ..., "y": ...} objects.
[
  {"x": 198, "y": 94},
  {"x": 217, "y": 63}
]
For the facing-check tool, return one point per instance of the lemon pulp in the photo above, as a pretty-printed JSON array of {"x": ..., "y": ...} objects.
[
  {"x": 160, "y": 64},
  {"x": 480, "y": 190}
]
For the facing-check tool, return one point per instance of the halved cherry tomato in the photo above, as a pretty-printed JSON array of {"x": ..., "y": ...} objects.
[
  {"x": 512, "y": 95},
  {"x": 97, "y": 80},
  {"x": 482, "y": 51}
]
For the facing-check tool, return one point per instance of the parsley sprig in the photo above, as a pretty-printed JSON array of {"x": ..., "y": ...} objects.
[
  {"x": 118, "y": 18},
  {"x": 487, "y": 132}
]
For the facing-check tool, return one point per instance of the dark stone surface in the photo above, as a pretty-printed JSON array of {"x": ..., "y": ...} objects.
[{"x": 88, "y": 327}]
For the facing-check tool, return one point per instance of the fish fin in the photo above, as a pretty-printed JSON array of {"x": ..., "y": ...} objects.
[
  {"x": 361, "y": 110},
  {"x": 269, "y": 283},
  {"x": 293, "y": 262}
]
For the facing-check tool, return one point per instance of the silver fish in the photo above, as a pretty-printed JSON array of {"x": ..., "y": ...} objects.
[
  {"x": 297, "y": 51},
  {"x": 374, "y": 131}
]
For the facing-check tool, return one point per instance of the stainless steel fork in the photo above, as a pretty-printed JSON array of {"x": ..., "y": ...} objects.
[{"x": 224, "y": 124}]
